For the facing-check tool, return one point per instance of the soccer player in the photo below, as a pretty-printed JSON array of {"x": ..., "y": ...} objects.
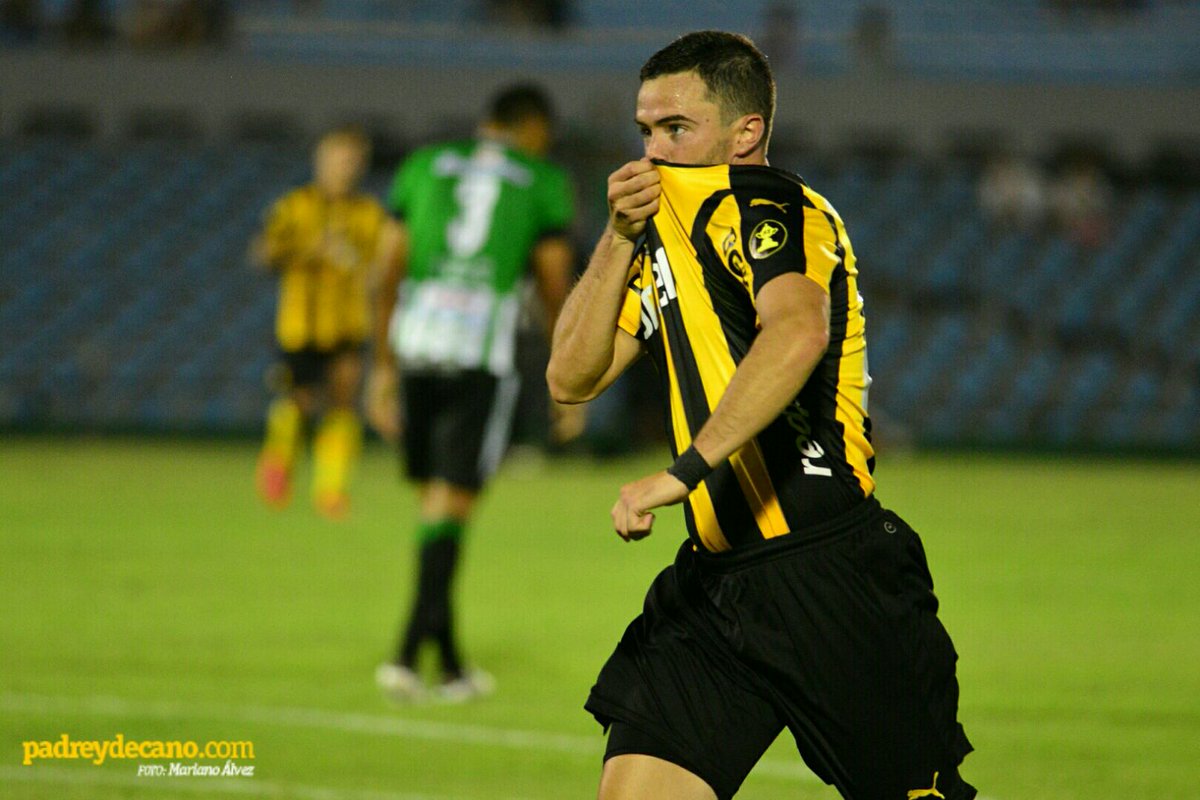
[
  {"x": 798, "y": 601},
  {"x": 322, "y": 241},
  {"x": 476, "y": 216}
]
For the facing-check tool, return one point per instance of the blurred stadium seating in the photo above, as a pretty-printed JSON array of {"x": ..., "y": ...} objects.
[
  {"x": 127, "y": 303},
  {"x": 126, "y": 299},
  {"x": 1020, "y": 40}
]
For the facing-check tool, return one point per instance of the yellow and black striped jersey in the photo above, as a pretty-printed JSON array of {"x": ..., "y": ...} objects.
[
  {"x": 719, "y": 235},
  {"x": 323, "y": 249}
]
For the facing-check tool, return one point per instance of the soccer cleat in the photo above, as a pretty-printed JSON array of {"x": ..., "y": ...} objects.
[
  {"x": 332, "y": 505},
  {"x": 471, "y": 685},
  {"x": 274, "y": 481},
  {"x": 400, "y": 685}
]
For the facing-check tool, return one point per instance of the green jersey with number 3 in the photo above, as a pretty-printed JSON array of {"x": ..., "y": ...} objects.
[{"x": 474, "y": 211}]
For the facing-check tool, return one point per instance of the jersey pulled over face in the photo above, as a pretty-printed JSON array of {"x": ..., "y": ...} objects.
[
  {"x": 474, "y": 211},
  {"x": 722, "y": 233}
]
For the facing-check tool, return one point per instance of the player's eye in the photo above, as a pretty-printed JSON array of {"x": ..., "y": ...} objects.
[
  {"x": 643, "y": 131},
  {"x": 676, "y": 130}
]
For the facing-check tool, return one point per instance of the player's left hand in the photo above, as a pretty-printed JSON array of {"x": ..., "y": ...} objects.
[
  {"x": 382, "y": 403},
  {"x": 631, "y": 515}
]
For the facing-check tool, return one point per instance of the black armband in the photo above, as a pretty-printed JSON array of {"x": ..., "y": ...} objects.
[{"x": 690, "y": 468}]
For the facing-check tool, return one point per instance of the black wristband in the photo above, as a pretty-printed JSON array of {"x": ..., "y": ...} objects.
[{"x": 690, "y": 468}]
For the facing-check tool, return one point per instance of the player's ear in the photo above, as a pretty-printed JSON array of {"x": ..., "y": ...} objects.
[{"x": 748, "y": 136}]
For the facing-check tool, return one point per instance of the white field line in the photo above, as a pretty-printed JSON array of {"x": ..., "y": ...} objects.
[
  {"x": 369, "y": 724},
  {"x": 207, "y": 787}
]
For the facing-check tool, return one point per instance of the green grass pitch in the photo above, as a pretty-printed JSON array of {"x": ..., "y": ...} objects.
[{"x": 146, "y": 593}]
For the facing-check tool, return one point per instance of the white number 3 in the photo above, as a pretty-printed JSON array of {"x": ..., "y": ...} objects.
[{"x": 476, "y": 194}]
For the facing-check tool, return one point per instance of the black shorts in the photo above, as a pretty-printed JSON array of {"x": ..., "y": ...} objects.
[
  {"x": 309, "y": 366},
  {"x": 456, "y": 424},
  {"x": 832, "y": 634}
]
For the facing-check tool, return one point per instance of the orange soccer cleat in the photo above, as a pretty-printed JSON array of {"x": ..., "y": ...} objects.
[
  {"x": 332, "y": 505},
  {"x": 274, "y": 481}
]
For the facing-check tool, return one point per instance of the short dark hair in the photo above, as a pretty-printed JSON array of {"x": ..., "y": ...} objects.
[
  {"x": 734, "y": 71},
  {"x": 517, "y": 103}
]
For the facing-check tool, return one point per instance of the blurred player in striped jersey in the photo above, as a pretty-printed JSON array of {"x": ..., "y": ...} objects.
[{"x": 321, "y": 240}]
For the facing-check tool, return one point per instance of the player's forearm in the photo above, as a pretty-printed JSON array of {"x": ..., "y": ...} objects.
[
  {"x": 283, "y": 248},
  {"x": 770, "y": 376},
  {"x": 269, "y": 252},
  {"x": 583, "y": 341},
  {"x": 391, "y": 262},
  {"x": 381, "y": 352},
  {"x": 384, "y": 305},
  {"x": 553, "y": 264}
]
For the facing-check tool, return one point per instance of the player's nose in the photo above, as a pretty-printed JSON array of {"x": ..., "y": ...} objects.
[{"x": 656, "y": 147}]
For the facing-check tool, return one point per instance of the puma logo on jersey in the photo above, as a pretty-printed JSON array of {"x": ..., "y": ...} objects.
[
  {"x": 930, "y": 792},
  {"x": 766, "y": 238},
  {"x": 762, "y": 201}
]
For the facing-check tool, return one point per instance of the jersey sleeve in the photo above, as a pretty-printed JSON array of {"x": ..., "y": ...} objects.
[
  {"x": 401, "y": 193},
  {"x": 381, "y": 219},
  {"x": 278, "y": 236},
  {"x": 784, "y": 231},
  {"x": 556, "y": 202},
  {"x": 631, "y": 318},
  {"x": 373, "y": 218}
]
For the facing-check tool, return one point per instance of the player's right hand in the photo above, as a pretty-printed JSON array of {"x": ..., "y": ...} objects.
[
  {"x": 633, "y": 192},
  {"x": 383, "y": 402}
]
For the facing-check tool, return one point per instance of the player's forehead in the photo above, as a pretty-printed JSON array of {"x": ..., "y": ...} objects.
[
  {"x": 676, "y": 94},
  {"x": 339, "y": 147}
]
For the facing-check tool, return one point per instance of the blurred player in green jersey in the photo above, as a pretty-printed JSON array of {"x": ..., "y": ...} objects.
[{"x": 477, "y": 216}]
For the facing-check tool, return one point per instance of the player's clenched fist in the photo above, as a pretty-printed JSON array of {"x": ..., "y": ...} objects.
[
  {"x": 631, "y": 515},
  {"x": 633, "y": 192}
]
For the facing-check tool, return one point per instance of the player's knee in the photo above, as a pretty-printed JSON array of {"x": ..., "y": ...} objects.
[
  {"x": 343, "y": 394},
  {"x": 637, "y": 777},
  {"x": 305, "y": 399}
]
